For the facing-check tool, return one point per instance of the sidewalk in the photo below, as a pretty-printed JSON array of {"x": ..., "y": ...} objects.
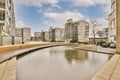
[
  {"x": 95, "y": 48},
  {"x": 8, "y": 70},
  {"x": 110, "y": 71},
  {"x": 109, "y": 50}
]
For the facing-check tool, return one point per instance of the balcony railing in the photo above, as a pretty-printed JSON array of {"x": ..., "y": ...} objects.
[
  {"x": 2, "y": 5},
  {"x": 2, "y": 15}
]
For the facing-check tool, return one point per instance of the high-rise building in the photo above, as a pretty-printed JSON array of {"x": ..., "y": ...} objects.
[
  {"x": 7, "y": 17},
  {"x": 77, "y": 31},
  {"x": 7, "y": 20},
  {"x": 69, "y": 30},
  {"x": 59, "y": 34},
  {"x": 112, "y": 22},
  {"x": 56, "y": 34},
  {"x": 51, "y": 34},
  {"x": 46, "y": 36},
  {"x": 25, "y": 33},
  {"x": 37, "y": 36},
  {"x": 82, "y": 31}
]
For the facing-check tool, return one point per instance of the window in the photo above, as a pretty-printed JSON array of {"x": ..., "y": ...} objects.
[
  {"x": 113, "y": 23},
  {"x": 113, "y": 7},
  {"x": 2, "y": 15}
]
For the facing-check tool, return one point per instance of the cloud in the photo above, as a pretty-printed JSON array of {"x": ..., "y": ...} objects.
[
  {"x": 36, "y": 3},
  {"x": 56, "y": 6},
  {"x": 107, "y": 7},
  {"x": 20, "y": 24},
  {"x": 83, "y": 3},
  {"x": 59, "y": 19},
  {"x": 86, "y": 3},
  {"x": 103, "y": 22}
]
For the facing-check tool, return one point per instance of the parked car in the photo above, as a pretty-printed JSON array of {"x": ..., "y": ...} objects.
[
  {"x": 112, "y": 45},
  {"x": 105, "y": 45}
]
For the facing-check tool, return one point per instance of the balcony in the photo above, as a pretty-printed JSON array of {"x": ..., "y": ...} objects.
[
  {"x": 2, "y": 4},
  {"x": 2, "y": 15}
]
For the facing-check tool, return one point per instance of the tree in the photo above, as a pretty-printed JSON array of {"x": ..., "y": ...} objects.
[{"x": 94, "y": 29}]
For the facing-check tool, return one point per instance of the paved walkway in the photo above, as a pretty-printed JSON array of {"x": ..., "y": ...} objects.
[
  {"x": 96, "y": 49},
  {"x": 111, "y": 71},
  {"x": 109, "y": 50},
  {"x": 8, "y": 70}
]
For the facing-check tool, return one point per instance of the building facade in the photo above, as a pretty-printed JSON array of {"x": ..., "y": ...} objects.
[
  {"x": 83, "y": 31},
  {"x": 51, "y": 34},
  {"x": 56, "y": 34},
  {"x": 59, "y": 34},
  {"x": 37, "y": 36},
  {"x": 69, "y": 30},
  {"x": 7, "y": 17},
  {"x": 46, "y": 36},
  {"x": 77, "y": 31},
  {"x": 7, "y": 20},
  {"x": 112, "y": 22},
  {"x": 25, "y": 33}
]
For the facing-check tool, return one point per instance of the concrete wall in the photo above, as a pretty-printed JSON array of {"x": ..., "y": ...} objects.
[{"x": 118, "y": 25}]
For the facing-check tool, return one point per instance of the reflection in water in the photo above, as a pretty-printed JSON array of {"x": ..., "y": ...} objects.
[
  {"x": 60, "y": 63},
  {"x": 77, "y": 55}
]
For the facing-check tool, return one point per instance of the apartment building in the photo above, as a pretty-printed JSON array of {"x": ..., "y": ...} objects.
[
  {"x": 59, "y": 34},
  {"x": 83, "y": 31},
  {"x": 112, "y": 22},
  {"x": 69, "y": 30},
  {"x": 37, "y": 36},
  {"x": 25, "y": 33},
  {"x": 46, "y": 36},
  {"x": 51, "y": 34},
  {"x": 7, "y": 21},
  {"x": 77, "y": 31}
]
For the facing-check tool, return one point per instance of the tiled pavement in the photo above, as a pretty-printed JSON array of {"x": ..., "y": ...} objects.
[
  {"x": 8, "y": 70},
  {"x": 111, "y": 71}
]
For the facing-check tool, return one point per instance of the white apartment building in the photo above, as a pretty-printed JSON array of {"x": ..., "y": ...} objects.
[
  {"x": 59, "y": 34},
  {"x": 83, "y": 31},
  {"x": 7, "y": 17},
  {"x": 7, "y": 21},
  {"x": 112, "y": 22},
  {"x": 24, "y": 33},
  {"x": 77, "y": 31},
  {"x": 46, "y": 36}
]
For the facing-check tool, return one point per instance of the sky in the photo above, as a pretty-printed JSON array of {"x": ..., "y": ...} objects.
[{"x": 42, "y": 14}]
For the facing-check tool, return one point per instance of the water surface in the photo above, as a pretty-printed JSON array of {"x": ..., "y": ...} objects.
[{"x": 60, "y": 63}]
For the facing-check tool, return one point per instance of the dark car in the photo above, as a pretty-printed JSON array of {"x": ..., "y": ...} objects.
[
  {"x": 112, "y": 45},
  {"x": 105, "y": 45}
]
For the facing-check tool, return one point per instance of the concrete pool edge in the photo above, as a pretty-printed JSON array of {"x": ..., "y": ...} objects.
[
  {"x": 34, "y": 49},
  {"x": 29, "y": 50}
]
